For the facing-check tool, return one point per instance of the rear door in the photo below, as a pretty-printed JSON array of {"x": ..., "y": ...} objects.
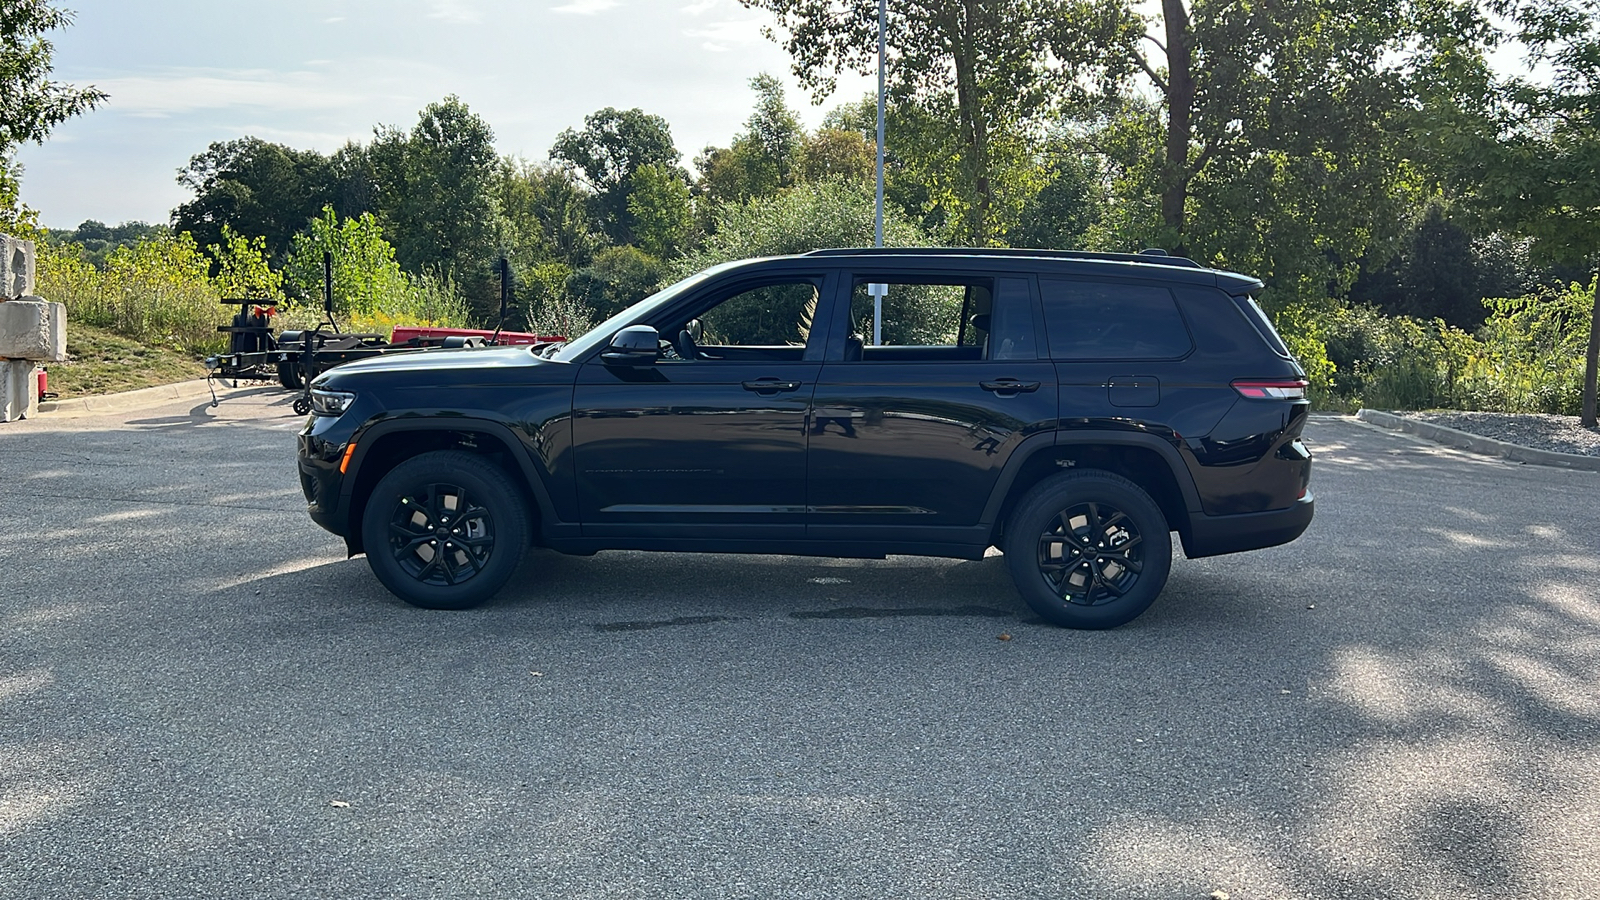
[{"x": 908, "y": 437}]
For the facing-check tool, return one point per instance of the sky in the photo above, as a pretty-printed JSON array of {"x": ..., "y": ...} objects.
[{"x": 314, "y": 74}]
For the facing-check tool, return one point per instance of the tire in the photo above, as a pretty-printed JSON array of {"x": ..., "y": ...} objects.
[
  {"x": 409, "y": 512},
  {"x": 289, "y": 376},
  {"x": 1088, "y": 549}
]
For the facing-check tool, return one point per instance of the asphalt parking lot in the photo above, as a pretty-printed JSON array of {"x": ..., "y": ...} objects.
[{"x": 200, "y": 697}]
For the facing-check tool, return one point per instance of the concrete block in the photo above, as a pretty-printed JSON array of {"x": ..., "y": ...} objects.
[
  {"x": 17, "y": 267},
  {"x": 35, "y": 329},
  {"x": 19, "y": 389}
]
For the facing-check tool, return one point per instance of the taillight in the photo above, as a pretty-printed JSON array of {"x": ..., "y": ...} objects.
[{"x": 1271, "y": 388}]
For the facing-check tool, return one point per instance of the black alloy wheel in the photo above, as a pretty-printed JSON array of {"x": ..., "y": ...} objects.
[
  {"x": 440, "y": 535},
  {"x": 1091, "y": 554},
  {"x": 1088, "y": 549},
  {"x": 445, "y": 530}
]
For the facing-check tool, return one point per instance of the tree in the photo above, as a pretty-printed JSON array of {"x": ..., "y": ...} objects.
[
  {"x": 1060, "y": 215},
  {"x": 547, "y": 213},
  {"x": 618, "y": 278},
  {"x": 31, "y": 104},
  {"x": 977, "y": 79},
  {"x": 365, "y": 273},
  {"x": 1537, "y": 173},
  {"x": 437, "y": 190},
  {"x": 612, "y": 145},
  {"x": 763, "y": 158},
  {"x": 257, "y": 189},
  {"x": 242, "y": 268},
  {"x": 812, "y": 216},
  {"x": 1287, "y": 138},
  {"x": 662, "y": 214}
]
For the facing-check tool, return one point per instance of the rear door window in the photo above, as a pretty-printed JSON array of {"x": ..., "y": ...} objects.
[{"x": 1107, "y": 320}]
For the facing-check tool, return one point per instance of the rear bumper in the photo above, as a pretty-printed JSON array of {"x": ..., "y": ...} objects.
[{"x": 1216, "y": 535}]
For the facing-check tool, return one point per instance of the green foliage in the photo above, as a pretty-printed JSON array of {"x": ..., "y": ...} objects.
[
  {"x": 1527, "y": 357},
  {"x": 16, "y": 218},
  {"x": 30, "y": 103},
  {"x": 437, "y": 190},
  {"x": 158, "y": 291},
  {"x": 804, "y": 218},
  {"x": 550, "y": 310},
  {"x": 837, "y": 154},
  {"x": 1535, "y": 173},
  {"x": 242, "y": 270},
  {"x": 659, "y": 207},
  {"x": 814, "y": 216},
  {"x": 618, "y": 278},
  {"x": 764, "y": 158},
  {"x": 547, "y": 214},
  {"x": 1060, "y": 215},
  {"x": 612, "y": 145},
  {"x": 98, "y": 240},
  {"x": 974, "y": 80},
  {"x": 365, "y": 273},
  {"x": 257, "y": 189},
  {"x": 1532, "y": 357}
]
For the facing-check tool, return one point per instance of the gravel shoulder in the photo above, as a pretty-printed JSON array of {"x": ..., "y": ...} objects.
[{"x": 1556, "y": 434}]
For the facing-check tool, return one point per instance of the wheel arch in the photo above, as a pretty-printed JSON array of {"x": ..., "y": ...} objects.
[
  {"x": 1146, "y": 460},
  {"x": 387, "y": 444}
]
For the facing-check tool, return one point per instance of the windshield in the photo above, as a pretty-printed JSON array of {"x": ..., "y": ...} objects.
[{"x": 602, "y": 333}]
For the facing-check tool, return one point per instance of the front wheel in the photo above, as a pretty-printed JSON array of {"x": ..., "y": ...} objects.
[
  {"x": 445, "y": 530},
  {"x": 1088, "y": 549}
]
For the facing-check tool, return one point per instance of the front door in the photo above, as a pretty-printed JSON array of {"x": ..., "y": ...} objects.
[{"x": 710, "y": 440}]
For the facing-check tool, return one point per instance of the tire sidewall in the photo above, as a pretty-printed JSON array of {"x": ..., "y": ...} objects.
[
  {"x": 1047, "y": 500},
  {"x": 488, "y": 486}
]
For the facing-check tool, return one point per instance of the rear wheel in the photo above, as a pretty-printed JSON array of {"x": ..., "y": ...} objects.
[
  {"x": 445, "y": 530},
  {"x": 1088, "y": 549}
]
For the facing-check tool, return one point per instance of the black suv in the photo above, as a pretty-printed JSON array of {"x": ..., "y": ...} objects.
[{"x": 1072, "y": 409}]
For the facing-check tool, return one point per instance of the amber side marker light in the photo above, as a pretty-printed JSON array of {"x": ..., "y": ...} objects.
[
  {"x": 1272, "y": 388},
  {"x": 348, "y": 452}
]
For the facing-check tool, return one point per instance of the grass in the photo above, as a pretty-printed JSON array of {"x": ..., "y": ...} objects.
[{"x": 104, "y": 362}]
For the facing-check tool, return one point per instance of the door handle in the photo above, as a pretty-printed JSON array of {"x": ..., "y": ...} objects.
[
  {"x": 770, "y": 385},
  {"x": 1009, "y": 386}
]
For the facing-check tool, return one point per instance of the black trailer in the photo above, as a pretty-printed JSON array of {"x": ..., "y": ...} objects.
[{"x": 295, "y": 358}]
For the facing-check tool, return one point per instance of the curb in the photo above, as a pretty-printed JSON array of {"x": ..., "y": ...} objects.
[
  {"x": 1473, "y": 443},
  {"x": 139, "y": 399}
]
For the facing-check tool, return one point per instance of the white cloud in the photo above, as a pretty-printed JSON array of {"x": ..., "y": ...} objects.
[
  {"x": 718, "y": 36},
  {"x": 585, "y": 7},
  {"x": 462, "y": 12},
  {"x": 700, "y": 7},
  {"x": 180, "y": 91}
]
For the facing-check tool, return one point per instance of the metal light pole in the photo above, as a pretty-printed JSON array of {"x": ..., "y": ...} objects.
[{"x": 880, "y": 289}]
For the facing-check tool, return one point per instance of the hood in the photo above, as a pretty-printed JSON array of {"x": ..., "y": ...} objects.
[{"x": 500, "y": 364}]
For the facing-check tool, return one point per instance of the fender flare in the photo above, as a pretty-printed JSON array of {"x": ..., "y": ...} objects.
[
  {"x": 500, "y": 431},
  {"x": 1051, "y": 441}
]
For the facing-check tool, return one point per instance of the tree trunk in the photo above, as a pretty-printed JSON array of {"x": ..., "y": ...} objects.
[
  {"x": 974, "y": 127},
  {"x": 1175, "y": 173},
  {"x": 1592, "y": 361}
]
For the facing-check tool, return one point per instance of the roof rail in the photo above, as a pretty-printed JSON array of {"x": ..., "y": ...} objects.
[{"x": 1148, "y": 257}]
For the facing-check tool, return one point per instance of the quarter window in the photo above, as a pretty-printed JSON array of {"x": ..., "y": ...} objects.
[{"x": 1104, "y": 320}]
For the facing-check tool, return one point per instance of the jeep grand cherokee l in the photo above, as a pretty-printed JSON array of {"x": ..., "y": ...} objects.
[{"x": 1072, "y": 409}]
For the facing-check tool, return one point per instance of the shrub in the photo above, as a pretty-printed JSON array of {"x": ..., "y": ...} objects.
[{"x": 158, "y": 291}]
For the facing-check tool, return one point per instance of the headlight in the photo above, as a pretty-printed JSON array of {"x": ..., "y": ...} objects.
[{"x": 330, "y": 403}]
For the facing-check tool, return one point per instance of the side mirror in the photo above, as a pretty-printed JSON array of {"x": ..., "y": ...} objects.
[{"x": 636, "y": 345}]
